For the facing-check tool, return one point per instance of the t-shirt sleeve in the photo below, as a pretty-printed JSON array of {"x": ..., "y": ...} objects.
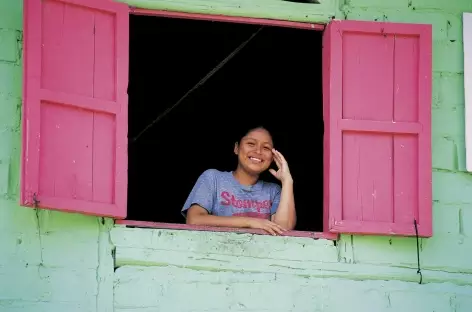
[
  {"x": 276, "y": 199},
  {"x": 203, "y": 192}
]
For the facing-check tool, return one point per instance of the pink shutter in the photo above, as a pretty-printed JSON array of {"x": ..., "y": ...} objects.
[
  {"x": 75, "y": 106},
  {"x": 377, "y": 112}
]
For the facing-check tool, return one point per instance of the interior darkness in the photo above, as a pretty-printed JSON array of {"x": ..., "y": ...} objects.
[{"x": 275, "y": 81}]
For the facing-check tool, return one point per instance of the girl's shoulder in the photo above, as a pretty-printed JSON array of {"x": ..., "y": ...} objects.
[
  {"x": 271, "y": 187},
  {"x": 214, "y": 174}
]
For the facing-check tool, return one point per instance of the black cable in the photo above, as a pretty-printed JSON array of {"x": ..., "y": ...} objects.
[{"x": 201, "y": 82}]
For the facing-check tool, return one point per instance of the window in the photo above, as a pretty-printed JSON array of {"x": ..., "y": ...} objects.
[
  {"x": 467, "y": 30},
  {"x": 75, "y": 113},
  {"x": 276, "y": 77},
  {"x": 374, "y": 78},
  {"x": 377, "y": 94}
]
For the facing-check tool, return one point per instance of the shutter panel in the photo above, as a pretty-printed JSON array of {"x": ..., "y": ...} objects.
[
  {"x": 75, "y": 106},
  {"x": 377, "y": 112}
]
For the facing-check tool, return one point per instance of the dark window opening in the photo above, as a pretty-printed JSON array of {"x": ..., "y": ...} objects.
[{"x": 275, "y": 81}]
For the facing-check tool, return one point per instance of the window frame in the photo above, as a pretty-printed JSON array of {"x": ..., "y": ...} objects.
[{"x": 236, "y": 20}]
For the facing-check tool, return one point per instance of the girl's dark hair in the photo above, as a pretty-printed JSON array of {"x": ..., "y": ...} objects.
[{"x": 247, "y": 130}]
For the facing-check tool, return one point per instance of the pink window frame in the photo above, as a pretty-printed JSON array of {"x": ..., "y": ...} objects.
[{"x": 238, "y": 20}]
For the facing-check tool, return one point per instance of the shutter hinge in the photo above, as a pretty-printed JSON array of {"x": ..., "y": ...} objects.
[{"x": 35, "y": 200}]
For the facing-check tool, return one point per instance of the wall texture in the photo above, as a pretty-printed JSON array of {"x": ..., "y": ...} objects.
[
  {"x": 274, "y": 9},
  {"x": 452, "y": 196},
  {"x": 242, "y": 272},
  {"x": 52, "y": 261},
  {"x": 49, "y": 261},
  {"x": 217, "y": 272}
]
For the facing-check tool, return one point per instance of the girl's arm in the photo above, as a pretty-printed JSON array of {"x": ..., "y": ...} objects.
[
  {"x": 197, "y": 215},
  {"x": 286, "y": 215}
]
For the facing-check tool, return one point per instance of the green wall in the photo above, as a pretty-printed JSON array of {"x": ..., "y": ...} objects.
[
  {"x": 49, "y": 261},
  {"x": 52, "y": 261}
]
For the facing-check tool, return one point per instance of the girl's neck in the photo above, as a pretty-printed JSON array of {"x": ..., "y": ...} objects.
[{"x": 245, "y": 178}]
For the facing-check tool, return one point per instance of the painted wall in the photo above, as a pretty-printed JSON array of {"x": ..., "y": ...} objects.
[
  {"x": 49, "y": 261},
  {"x": 52, "y": 261}
]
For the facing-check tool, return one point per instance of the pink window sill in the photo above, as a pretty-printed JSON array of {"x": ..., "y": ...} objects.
[{"x": 176, "y": 226}]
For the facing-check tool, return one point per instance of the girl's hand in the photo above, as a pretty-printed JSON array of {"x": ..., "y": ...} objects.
[
  {"x": 283, "y": 173},
  {"x": 266, "y": 225}
]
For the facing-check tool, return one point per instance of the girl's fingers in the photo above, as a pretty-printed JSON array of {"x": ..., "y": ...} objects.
[
  {"x": 280, "y": 227},
  {"x": 281, "y": 157},
  {"x": 277, "y": 228},
  {"x": 278, "y": 156},
  {"x": 278, "y": 163},
  {"x": 273, "y": 228},
  {"x": 269, "y": 230},
  {"x": 277, "y": 160}
]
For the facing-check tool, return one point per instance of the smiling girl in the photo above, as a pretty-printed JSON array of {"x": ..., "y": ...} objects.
[{"x": 239, "y": 198}]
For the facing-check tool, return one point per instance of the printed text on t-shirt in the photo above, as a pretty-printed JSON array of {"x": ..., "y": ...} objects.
[{"x": 230, "y": 200}]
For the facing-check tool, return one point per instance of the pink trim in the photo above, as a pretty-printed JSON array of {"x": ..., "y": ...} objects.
[
  {"x": 79, "y": 101},
  {"x": 326, "y": 82},
  {"x": 176, "y": 226},
  {"x": 103, "y": 5},
  {"x": 387, "y": 28},
  {"x": 425, "y": 165},
  {"x": 379, "y": 228},
  {"x": 122, "y": 78},
  {"x": 332, "y": 141},
  {"x": 380, "y": 126},
  {"x": 31, "y": 100},
  {"x": 229, "y": 19},
  {"x": 24, "y": 187},
  {"x": 81, "y": 206}
]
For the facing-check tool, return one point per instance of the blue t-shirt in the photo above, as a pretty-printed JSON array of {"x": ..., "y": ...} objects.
[{"x": 222, "y": 195}]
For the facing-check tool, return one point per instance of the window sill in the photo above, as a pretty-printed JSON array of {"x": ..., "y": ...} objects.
[{"x": 177, "y": 226}]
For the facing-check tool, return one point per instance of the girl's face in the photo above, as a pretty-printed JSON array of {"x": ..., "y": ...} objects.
[{"x": 255, "y": 151}]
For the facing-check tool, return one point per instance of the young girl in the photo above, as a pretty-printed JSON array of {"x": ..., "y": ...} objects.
[{"x": 239, "y": 198}]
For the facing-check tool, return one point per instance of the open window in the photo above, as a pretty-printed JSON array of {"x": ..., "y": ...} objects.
[
  {"x": 349, "y": 108},
  {"x": 274, "y": 80}
]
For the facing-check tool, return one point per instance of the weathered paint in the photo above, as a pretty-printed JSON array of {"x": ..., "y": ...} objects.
[
  {"x": 229, "y": 19},
  {"x": 52, "y": 261},
  {"x": 271, "y": 9},
  {"x": 49, "y": 261},
  {"x": 467, "y": 31}
]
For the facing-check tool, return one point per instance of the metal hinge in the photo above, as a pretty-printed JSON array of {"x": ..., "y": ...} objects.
[{"x": 35, "y": 200}]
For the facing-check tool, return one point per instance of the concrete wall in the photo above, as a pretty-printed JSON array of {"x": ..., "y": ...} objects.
[
  {"x": 49, "y": 261},
  {"x": 52, "y": 261},
  {"x": 162, "y": 270}
]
